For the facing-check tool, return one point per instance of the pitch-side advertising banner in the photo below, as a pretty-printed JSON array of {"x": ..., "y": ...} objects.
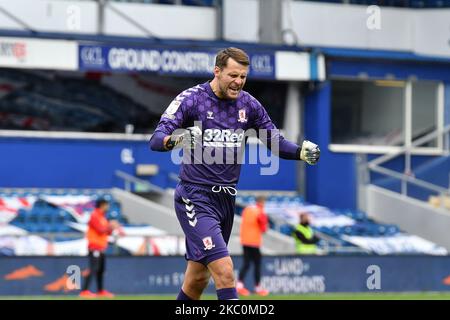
[
  {"x": 38, "y": 54},
  {"x": 165, "y": 61},
  {"x": 280, "y": 275}
]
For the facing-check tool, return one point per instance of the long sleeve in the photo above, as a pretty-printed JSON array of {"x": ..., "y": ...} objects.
[
  {"x": 261, "y": 120},
  {"x": 175, "y": 117},
  {"x": 263, "y": 222},
  {"x": 302, "y": 238},
  {"x": 286, "y": 149},
  {"x": 157, "y": 141}
]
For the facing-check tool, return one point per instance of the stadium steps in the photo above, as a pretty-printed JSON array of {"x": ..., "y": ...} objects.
[
  {"x": 140, "y": 210},
  {"x": 409, "y": 214}
]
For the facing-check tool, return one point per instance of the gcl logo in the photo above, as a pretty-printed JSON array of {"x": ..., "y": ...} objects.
[
  {"x": 262, "y": 64},
  {"x": 92, "y": 56}
]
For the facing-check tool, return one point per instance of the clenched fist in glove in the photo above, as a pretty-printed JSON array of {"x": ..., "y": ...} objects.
[
  {"x": 310, "y": 152},
  {"x": 188, "y": 139}
]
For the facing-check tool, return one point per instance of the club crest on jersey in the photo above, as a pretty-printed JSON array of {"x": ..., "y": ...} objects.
[
  {"x": 207, "y": 242},
  {"x": 210, "y": 115},
  {"x": 242, "y": 117}
]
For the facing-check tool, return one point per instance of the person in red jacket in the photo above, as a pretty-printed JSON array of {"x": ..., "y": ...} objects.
[
  {"x": 98, "y": 232},
  {"x": 254, "y": 224}
]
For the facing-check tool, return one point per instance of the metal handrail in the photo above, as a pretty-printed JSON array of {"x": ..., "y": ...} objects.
[
  {"x": 174, "y": 177},
  {"x": 411, "y": 179},
  {"x": 415, "y": 143},
  {"x": 128, "y": 178},
  {"x": 406, "y": 177}
]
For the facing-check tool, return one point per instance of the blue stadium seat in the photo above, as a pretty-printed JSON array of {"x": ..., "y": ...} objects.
[
  {"x": 239, "y": 210},
  {"x": 287, "y": 229},
  {"x": 18, "y": 224},
  {"x": 392, "y": 230},
  {"x": 33, "y": 216},
  {"x": 208, "y": 3},
  {"x": 46, "y": 215},
  {"x": 113, "y": 214},
  {"x": 381, "y": 230},
  {"x": 165, "y": 1},
  {"x": 47, "y": 228},
  {"x": 123, "y": 220},
  {"x": 33, "y": 227},
  {"x": 418, "y": 3},
  {"x": 395, "y": 3},
  {"x": 63, "y": 228},
  {"x": 21, "y": 216}
]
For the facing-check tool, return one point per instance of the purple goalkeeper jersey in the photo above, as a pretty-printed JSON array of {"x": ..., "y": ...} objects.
[{"x": 222, "y": 123}]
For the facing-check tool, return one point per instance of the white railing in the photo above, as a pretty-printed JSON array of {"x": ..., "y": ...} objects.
[
  {"x": 407, "y": 176},
  {"x": 129, "y": 180}
]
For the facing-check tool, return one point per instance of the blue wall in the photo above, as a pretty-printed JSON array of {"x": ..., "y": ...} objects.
[
  {"x": 382, "y": 69},
  {"x": 332, "y": 182},
  {"x": 67, "y": 163},
  {"x": 281, "y": 275}
]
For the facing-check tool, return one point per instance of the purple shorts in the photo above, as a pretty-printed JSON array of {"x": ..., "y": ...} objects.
[{"x": 206, "y": 218}]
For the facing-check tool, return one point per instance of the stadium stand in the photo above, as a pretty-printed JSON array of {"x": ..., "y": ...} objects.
[
  {"x": 57, "y": 220},
  {"x": 57, "y": 102},
  {"x": 342, "y": 229},
  {"x": 100, "y": 102},
  {"x": 387, "y": 3},
  {"x": 205, "y": 3},
  {"x": 393, "y": 3}
]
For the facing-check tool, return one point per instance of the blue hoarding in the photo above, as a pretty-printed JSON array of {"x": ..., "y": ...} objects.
[
  {"x": 69, "y": 163},
  {"x": 281, "y": 275},
  {"x": 165, "y": 61}
]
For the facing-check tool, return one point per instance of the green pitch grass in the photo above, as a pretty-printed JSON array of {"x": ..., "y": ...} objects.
[{"x": 323, "y": 296}]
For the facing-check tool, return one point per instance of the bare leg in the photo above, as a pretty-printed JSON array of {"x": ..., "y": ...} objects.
[
  {"x": 196, "y": 279},
  {"x": 222, "y": 272}
]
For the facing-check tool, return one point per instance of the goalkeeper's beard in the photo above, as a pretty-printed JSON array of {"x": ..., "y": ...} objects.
[{"x": 224, "y": 92}]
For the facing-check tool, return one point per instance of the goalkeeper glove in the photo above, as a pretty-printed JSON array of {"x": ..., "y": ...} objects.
[
  {"x": 310, "y": 152},
  {"x": 188, "y": 139}
]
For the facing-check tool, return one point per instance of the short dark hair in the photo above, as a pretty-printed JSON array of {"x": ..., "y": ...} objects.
[
  {"x": 236, "y": 54},
  {"x": 260, "y": 198},
  {"x": 100, "y": 202}
]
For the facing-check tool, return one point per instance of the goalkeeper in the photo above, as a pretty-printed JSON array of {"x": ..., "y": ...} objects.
[{"x": 205, "y": 196}]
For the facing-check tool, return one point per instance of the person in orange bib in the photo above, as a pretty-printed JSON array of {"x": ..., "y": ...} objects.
[
  {"x": 254, "y": 224},
  {"x": 98, "y": 232}
]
